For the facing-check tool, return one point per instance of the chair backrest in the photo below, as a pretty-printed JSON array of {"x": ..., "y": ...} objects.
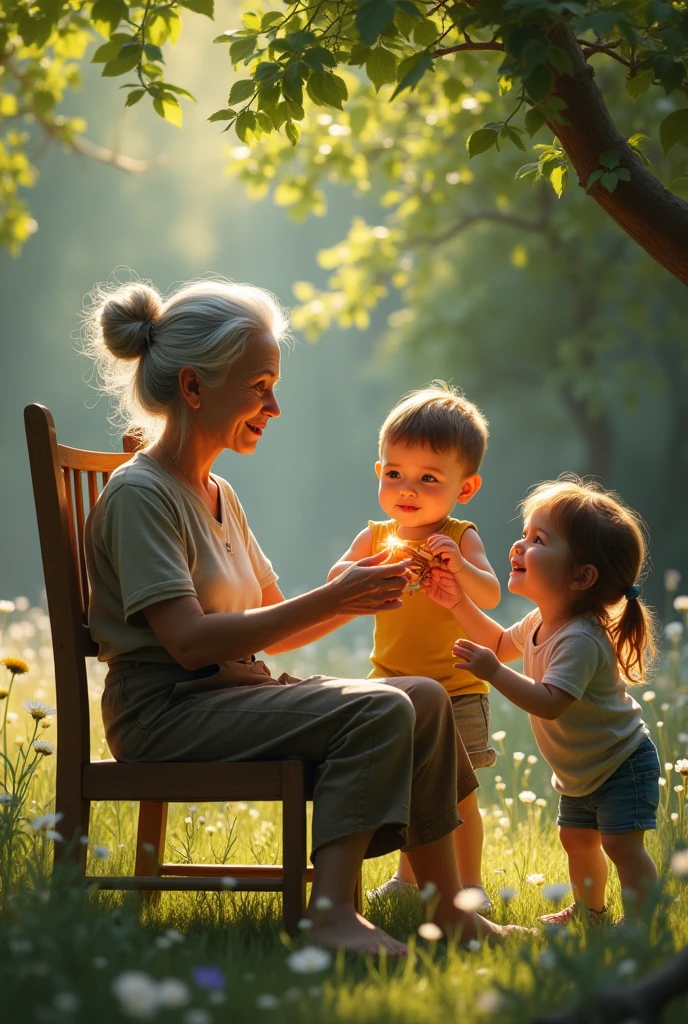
[{"x": 66, "y": 484}]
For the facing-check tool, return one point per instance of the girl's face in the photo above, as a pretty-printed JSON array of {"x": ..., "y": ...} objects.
[
  {"x": 235, "y": 414},
  {"x": 541, "y": 561}
]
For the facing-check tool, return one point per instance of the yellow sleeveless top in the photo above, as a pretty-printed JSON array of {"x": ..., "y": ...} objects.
[{"x": 417, "y": 639}]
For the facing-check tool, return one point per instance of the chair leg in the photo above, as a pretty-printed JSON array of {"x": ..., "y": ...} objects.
[
  {"x": 73, "y": 825},
  {"x": 150, "y": 843},
  {"x": 293, "y": 844}
]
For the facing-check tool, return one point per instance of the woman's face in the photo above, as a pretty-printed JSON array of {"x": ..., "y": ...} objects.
[{"x": 235, "y": 414}]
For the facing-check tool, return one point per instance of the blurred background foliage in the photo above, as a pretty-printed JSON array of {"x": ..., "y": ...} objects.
[{"x": 568, "y": 336}]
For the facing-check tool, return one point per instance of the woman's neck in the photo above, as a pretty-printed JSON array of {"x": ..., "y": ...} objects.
[{"x": 193, "y": 457}]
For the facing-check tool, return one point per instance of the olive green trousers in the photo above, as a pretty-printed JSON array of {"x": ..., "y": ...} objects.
[{"x": 386, "y": 753}]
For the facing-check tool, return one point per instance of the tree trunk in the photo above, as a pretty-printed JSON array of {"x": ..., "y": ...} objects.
[
  {"x": 597, "y": 435},
  {"x": 647, "y": 211}
]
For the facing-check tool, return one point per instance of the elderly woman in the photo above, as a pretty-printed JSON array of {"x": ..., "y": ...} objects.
[{"x": 183, "y": 598}]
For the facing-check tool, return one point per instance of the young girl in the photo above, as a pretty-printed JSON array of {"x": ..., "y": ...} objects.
[{"x": 579, "y": 560}]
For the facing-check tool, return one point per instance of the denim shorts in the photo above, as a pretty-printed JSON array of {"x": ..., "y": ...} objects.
[
  {"x": 626, "y": 802},
  {"x": 472, "y": 717}
]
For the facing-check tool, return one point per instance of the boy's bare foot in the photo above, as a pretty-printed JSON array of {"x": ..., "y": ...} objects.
[{"x": 342, "y": 928}]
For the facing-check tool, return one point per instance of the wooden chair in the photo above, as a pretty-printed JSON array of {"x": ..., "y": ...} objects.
[{"x": 66, "y": 484}]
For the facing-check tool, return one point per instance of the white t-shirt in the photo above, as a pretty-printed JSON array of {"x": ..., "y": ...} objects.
[
  {"x": 603, "y": 725},
  {"x": 148, "y": 538}
]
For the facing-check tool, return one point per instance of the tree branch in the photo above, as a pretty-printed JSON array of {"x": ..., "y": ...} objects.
[
  {"x": 468, "y": 46},
  {"x": 647, "y": 211},
  {"x": 482, "y": 216}
]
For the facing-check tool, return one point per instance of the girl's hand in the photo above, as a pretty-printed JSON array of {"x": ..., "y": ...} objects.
[
  {"x": 447, "y": 550},
  {"x": 442, "y": 587},
  {"x": 481, "y": 661},
  {"x": 368, "y": 587}
]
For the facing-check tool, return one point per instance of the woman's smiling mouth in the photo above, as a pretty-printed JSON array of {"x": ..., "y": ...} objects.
[{"x": 256, "y": 430}]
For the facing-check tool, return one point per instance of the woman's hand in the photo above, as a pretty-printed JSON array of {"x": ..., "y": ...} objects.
[
  {"x": 442, "y": 587},
  {"x": 368, "y": 587},
  {"x": 481, "y": 661},
  {"x": 447, "y": 550}
]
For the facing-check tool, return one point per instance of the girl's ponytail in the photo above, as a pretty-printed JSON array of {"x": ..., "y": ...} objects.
[{"x": 633, "y": 636}]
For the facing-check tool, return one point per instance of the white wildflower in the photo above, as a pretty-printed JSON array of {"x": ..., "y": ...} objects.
[
  {"x": 228, "y": 882},
  {"x": 556, "y": 891},
  {"x": 548, "y": 959},
  {"x": 66, "y": 1002},
  {"x": 682, "y": 766},
  {"x": 267, "y": 1002},
  {"x": 674, "y": 816},
  {"x": 254, "y": 813},
  {"x": 660, "y": 725},
  {"x": 37, "y": 709},
  {"x": 504, "y": 822},
  {"x": 470, "y": 900},
  {"x": 626, "y": 968},
  {"x": 668, "y": 766},
  {"x": 304, "y": 924},
  {"x": 518, "y": 756},
  {"x": 673, "y": 631},
  {"x": 499, "y": 737},
  {"x": 474, "y": 945},
  {"x": 6, "y": 607},
  {"x": 193, "y": 808},
  {"x": 681, "y": 603},
  {"x": 99, "y": 962},
  {"x": 508, "y": 801},
  {"x": 532, "y": 759},
  {"x": 175, "y": 936},
  {"x": 527, "y": 797},
  {"x": 173, "y": 993},
  {"x": 323, "y": 903},
  {"x": 649, "y": 696},
  {"x": 672, "y": 578},
  {"x": 137, "y": 994},
  {"x": 428, "y": 891},
  {"x": 678, "y": 789},
  {"x": 507, "y": 894},
  {"x": 535, "y": 879},
  {"x": 188, "y": 820},
  {"x": 500, "y": 786},
  {"x": 490, "y": 1002},
  {"x": 309, "y": 960},
  {"x": 661, "y": 780},
  {"x": 664, "y": 706},
  {"x": 101, "y": 852},
  {"x": 45, "y": 821},
  {"x": 541, "y": 802},
  {"x": 679, "y": 863},
  {"x": 430, "y": 931},
  {"x": 197, "y": 1016}
]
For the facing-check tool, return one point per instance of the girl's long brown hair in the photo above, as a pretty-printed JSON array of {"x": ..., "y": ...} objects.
[{"x": 602, "y": 531}]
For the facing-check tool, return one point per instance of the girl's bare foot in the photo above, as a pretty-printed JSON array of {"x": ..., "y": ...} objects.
[{"x": 341, "y": 927}]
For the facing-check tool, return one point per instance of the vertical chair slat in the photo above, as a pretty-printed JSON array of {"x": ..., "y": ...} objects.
[
  {"x": 80, "y": 523},
  {"x": 92, "y": 482}
]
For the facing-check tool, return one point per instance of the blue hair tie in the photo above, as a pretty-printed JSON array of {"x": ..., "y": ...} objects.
[{"x": 633, "y": 593}]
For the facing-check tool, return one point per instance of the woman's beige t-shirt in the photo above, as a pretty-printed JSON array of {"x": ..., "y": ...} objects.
[
  {"x": 149, "y": 538},
  {"x": 603, "y": 725}
]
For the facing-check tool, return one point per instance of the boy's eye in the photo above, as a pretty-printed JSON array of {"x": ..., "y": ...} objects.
[
  {"x": 428, "y": 478},
  {"x": 392, "y": 474}
]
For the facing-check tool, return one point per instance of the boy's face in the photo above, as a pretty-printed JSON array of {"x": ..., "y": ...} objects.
[{"x": 419, "y": 486}]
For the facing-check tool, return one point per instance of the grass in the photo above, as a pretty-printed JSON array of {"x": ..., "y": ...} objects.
[{"x": 65, "y": 956}]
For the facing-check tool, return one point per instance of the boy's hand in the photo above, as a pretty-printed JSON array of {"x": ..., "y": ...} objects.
[
  {"x": 481, "y": 661},
  {"x": 442, "y": 587},
  {"x": 447, "y": 550}
]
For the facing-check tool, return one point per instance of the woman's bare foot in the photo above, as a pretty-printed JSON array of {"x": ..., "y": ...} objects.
[
  {"x": 341, "y": 927},
  {"x": 467, "y": 927}
]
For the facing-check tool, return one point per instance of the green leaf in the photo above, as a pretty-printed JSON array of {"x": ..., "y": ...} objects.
[
  {"x": 453, "y": 88},
  {"x": 534, "y": 120},
  {"x": 595, "y": 176},
  {"x": 609, "y": 180},
  {"x": 134, "y": 97},
  {"x": 266, "y": 71},
  {"x": 323, "y": 90},
  {"x": 270, "y": 19},
  {"x": 110, "y": 51},
  {"x": 381, "y": 67},
  {"x": 120, "y": 66},
  {"x": 200, "y": 6},
  {"x": 241, "y": 90},
  {"x": 293, "y": 132},
  {"x": 358, "y": 118},
  {"x": 557, "y": 179},
  {"x": 679, "y": 186},
  {"x": 318, "y": 57},
  {"x": 179, "y": 91},
  {"x": 425, "y": 33},
  {"x": 292, "y": 88},
  {"x": 560, "y": 59},
  {"x": 109, "y": 12},
  {"x": 152, "y": 52},
  {"x": 372, "y": 16},
  {"x": 639, "y": 83},
  {"x": 623, "y": 173},
  {"x": 610, "y": 158},
  {"x": 527, "y": 169},
  {"x": 411, "y": 71},
  {"x": 240, "y": 49},
  {"x": 246, "y": 125},
  {"x": 539, "y": 82},
  {"x": 673, "y": 129},
  {"x": 513, "y": 135},
  {"x": 268, "y": 98},
  {"x": 169, "y": 110},
  {"x": 223, "y": 115},
  {"x": 480, "y": 141}
]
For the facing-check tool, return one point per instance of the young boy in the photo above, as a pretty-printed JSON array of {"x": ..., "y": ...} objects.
[{"x": 431, "y": 447}]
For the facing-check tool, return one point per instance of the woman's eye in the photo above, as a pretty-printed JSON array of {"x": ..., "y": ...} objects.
[{"x": 260, "y": 386}]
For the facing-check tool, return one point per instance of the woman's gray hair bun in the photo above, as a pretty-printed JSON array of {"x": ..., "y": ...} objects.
[{"x": 127, "y": 319}]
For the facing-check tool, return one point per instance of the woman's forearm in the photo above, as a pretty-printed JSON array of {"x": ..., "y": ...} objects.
[
  {"x": 309, "y": 636},
  {"x": 477, "y": 626},
  {"x": 200, "y": 639}
]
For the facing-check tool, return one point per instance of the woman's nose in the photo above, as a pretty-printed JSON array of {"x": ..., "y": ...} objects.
[{"x": 271, "y": 407}]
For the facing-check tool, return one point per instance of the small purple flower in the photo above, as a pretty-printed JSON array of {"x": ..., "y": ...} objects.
[{"x": 209, "y": 977}]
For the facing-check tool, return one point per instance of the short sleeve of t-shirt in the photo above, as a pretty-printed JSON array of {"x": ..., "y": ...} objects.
[
  {"x": 142, "y": 542},
  {"x": 573, "y": 664},
  {"x": 519, "y": 632},
  {"x": 262, "y": 566}
]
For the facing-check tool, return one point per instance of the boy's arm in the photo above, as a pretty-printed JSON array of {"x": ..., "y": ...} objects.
[
  {"x": 544, "y": 700},
  {"x": 468, "y": 562},
  {"x": 361, "y": 547}
]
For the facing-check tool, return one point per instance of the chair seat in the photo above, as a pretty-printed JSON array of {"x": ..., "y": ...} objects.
[{"x": 182, "y": 781}]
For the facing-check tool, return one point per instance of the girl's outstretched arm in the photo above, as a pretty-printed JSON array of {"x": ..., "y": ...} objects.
[
  {"x": 540, "y": 699},
  {"x": 442, "y": 586}
]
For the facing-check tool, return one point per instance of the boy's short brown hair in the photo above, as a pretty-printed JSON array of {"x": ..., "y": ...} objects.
[{"x": 441, "y": 416}]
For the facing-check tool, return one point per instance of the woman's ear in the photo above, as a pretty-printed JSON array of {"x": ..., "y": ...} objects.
[
  {"x": 190, "y": 386},
  {"x": 585, "y": 577}
]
